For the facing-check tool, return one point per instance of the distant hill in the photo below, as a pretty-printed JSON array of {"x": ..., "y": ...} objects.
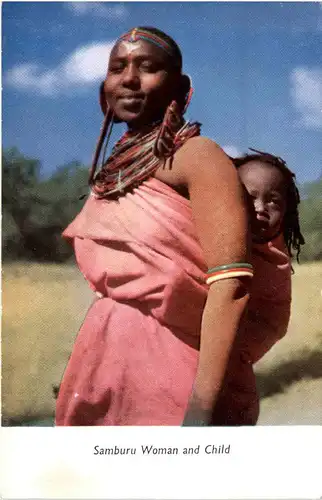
[
  {"x": 311, "y": 219},
  {"x": 311, "y": 189}
]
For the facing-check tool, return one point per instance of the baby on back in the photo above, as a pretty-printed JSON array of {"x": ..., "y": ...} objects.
[{"x": 273, "y": 203}]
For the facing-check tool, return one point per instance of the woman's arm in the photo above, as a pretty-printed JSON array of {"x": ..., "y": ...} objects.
[
  {"x": 221, "y": 319},
  {"x": 220, "y": 214}
]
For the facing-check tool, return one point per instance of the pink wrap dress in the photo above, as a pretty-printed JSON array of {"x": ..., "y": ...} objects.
[{"x": 136, "y": 354}]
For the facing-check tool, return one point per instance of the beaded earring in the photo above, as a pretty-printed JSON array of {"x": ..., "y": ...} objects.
[
  {"x": 173, "y": 122},
  {"x": 165, "y": 140}
]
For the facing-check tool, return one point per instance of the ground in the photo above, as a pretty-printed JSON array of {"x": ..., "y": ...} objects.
[{"x": 43, "y": 306}]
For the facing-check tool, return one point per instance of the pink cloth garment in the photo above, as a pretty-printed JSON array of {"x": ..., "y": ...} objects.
[
  {"x": 266, "y": 322},
  {"x": 269, "y": 307},
  {"x": 135, "y": 357}
]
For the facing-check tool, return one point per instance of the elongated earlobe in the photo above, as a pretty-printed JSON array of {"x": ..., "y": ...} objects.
[
  {"x": 189, "y": 92},
  {"x": 104, "y": 104},
  {"x": 105, "y": 133},
  {"x": 185, "y": 93},
  {"x": 102, "y": 99}
]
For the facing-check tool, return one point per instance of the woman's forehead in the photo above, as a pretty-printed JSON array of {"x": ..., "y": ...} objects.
[{"x": 124, "y": 48}]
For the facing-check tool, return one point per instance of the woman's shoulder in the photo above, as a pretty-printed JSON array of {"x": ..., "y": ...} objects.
[
  {"x": 202, "y": 154},
  {"x": 201, "y": 142},
  {"x": 199, "y": 156}
]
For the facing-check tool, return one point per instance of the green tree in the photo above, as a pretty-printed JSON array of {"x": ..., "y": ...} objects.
[
  {"x": 20, "y": 177},
  {"x": 36, "y": 211},
  {"x": 311, "y": 226}
]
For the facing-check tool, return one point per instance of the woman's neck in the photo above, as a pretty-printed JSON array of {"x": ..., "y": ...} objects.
[{"x": 142, "y": 129}]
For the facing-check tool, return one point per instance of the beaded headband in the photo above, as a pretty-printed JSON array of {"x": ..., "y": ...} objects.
[{"x": 141, "y": 34}]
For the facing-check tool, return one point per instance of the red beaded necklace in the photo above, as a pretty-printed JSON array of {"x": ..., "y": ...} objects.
[{"x": 136, "y": 156}]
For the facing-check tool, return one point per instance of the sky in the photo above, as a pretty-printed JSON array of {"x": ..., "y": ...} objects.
[{"x": 256, "y": 70}]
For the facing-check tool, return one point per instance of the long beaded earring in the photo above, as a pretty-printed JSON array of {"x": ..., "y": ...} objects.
[{"x": 173, "y": 122}]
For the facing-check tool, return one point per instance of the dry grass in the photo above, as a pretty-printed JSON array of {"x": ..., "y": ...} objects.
[
  {"x": 290, "y": 375},
  {"x": 41, "y": 315},
  {"x": 305, "y": 329},
  {"x": 44, "y": 305}
]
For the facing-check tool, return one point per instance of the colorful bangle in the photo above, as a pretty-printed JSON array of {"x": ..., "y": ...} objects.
[
  {"x": 239, "y": 269},
  {"x": 225, "y": 267},
  {"x": 230, "y": 274}
]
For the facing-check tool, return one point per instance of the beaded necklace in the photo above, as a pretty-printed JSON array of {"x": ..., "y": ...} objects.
[{"x": 136, "y": 156}]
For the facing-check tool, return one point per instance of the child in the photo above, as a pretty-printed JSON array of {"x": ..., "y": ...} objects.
[
  {"x": 274, "y": 200},
  {"x": 273, "y": 204}
]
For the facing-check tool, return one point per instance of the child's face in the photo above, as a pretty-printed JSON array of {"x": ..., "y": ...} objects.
[{"x": 265, "y": 186}]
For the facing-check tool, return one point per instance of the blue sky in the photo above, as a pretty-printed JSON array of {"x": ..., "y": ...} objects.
[{"x": 256, "y": 69}]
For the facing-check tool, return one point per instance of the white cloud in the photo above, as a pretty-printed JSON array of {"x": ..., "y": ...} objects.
[
  {"x": 231, "y": 150},
  {"x": 83, "y": 67},
  {"x": 108, "y": 11},
  {"x": 306, "y": 93}
]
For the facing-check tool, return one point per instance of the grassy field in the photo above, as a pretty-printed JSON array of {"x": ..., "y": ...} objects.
[{"x": 44, "y": 305}]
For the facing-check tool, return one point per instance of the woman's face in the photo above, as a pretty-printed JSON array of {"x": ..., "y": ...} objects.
[{"x": 140, "y": 82}]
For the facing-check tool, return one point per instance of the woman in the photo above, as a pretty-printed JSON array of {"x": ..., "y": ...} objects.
[{"x": 163, "y": 241}]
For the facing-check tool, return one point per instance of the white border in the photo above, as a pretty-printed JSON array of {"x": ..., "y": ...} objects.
[{"x": 262, "y": 463}]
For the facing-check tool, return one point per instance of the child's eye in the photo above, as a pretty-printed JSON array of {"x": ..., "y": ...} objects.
[{"x": 275, "y": 201}]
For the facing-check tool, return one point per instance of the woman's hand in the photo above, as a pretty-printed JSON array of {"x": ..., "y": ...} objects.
[{"x": 196, "y": 414}]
